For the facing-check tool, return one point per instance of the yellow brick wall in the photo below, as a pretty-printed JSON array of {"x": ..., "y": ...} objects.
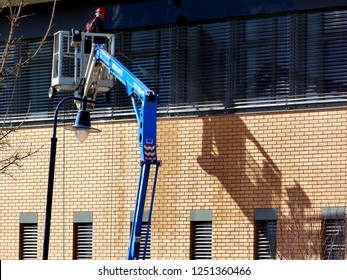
[{"x": 231, "y": 164}]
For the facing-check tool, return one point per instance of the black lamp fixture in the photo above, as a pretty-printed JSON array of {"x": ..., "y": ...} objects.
[
  {"x": 82, "y": 129},
  {"x": 82, "y": 126}
]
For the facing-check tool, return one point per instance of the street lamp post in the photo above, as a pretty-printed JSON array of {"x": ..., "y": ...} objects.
[{"x": 82, "y": 128}]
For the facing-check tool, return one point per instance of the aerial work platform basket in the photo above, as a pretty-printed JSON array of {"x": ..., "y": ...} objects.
[{"x": 71, "y": 52}]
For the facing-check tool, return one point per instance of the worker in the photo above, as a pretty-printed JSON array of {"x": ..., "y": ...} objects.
[{"x": 96, "y": 26}]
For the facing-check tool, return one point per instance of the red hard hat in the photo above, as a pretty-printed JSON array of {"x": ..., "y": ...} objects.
[{"x": 101, "y": 10}]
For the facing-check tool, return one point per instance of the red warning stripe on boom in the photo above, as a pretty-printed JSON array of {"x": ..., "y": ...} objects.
[{"x": 150, "y": 153}]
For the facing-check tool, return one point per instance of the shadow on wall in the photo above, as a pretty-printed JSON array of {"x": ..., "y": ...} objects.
[
  {"x": 299, "y": 231},
  {"x": 232, "y": 154},
  {"x": 298, "y": 201}
]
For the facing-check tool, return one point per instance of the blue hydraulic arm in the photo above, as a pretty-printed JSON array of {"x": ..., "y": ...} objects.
[{"x": 145, "y": 103}]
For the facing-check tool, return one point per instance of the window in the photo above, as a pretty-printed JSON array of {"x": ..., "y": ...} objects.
[
  {"x": 28, "y": 241},
  {"x": 274, "y": 61},
  {"x": 264, "y": 60},
  {"x": 146, "y": 53},
  {"x": 265, "y": 233},
  {"x": 266, "y": 239},
  {"x": 83, "y": 236},
  {"x": 201, "y": 235},
  {"x": 334, "y": 234},
  {"x": 334, "y": 45},
  {"x": 143, "y": 242},
  {"x": 28, "y": 236},
  {"x": 83, "y": 241},
  {"x": 145, "y": 251},
  {"x": 23, "y": 95}
]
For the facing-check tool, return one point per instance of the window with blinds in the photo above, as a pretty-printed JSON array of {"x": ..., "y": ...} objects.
[
  {"x": 83, "y": 241},
  {"x": 24, "y": 93},
  {"x": 334, "y": 239},
  {"x": 201, "y": 243},
  {"x": 143, "y": 240},
  {"x": 266, "y": 239},
  {"x": 28, "y": 241},
  {"x": 142, "y": 254},
  {"x": 268, "y": 62}
]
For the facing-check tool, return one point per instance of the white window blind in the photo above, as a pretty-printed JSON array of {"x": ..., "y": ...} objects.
[
  {"x": 143, "y": 241},
  {"x": 334, "y": 239},
  {"x": 142, "y": 244},
  {"x": 28, "y": 247},
  {"x": 266, "y": 239},
  {"x": 202, "y": 240},
  {"x": 83, "y": 241}
]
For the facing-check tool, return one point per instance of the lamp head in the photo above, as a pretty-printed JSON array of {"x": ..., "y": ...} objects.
[{"x": 82, "y": 126}]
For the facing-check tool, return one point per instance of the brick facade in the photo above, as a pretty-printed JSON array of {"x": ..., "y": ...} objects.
[{"x": 231, "y": 164}]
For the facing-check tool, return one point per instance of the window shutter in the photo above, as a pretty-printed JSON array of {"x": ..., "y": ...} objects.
[
  {"x": 142, "y": 244},
  {"x": 334, "y": 239},
  {"x": 83, "y": 241},
  {"x": 28, "y": 241},
  {"x": 143, "y": 240},
  {"x": 266, "y": 239},
  {"x": 202, "y": 240}
]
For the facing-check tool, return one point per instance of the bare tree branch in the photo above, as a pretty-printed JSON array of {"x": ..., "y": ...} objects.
[
  {"x": 15, "y": 16},
  {"x": 302, "y": 234},
  {"x": 14, "y": 156}
]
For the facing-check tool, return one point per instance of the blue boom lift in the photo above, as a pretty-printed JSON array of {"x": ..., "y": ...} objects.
[
  {"x": 145, "y": 106},
  {"x": 102, "y": 66}
]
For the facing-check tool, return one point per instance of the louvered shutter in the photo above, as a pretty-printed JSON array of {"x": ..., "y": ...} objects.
[
  {"x": 142, "y": 244},
  {"x": 28, "y": 241},
  {"x": 83, "y": 241},
  {"x": 202, "y": 240},
  {"x": 143, "y": 241},
  {"x": 266, "y": 239},
  {"x": 334, "y": 239}
]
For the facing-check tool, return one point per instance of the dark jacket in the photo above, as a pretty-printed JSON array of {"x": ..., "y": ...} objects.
[{"x": 96, "y": 26}]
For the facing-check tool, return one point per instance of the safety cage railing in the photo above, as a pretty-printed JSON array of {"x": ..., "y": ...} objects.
[{"x": 70, "y": 60}]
